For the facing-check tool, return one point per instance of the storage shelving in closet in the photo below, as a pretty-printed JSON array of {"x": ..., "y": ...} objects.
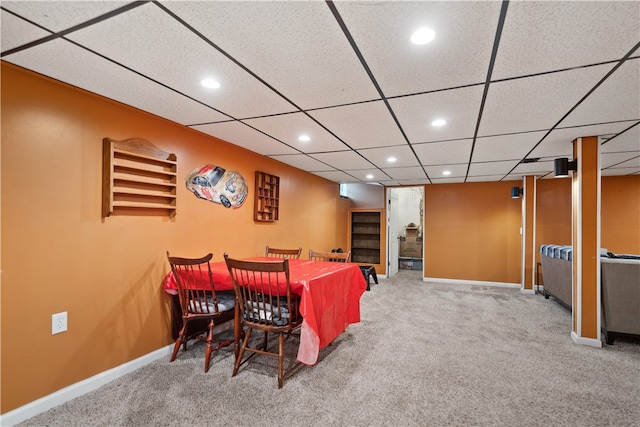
[{"x": 366, "y": 237}]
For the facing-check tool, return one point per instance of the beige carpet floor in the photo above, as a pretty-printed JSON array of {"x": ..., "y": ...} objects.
[{"x": 424, "y": 354}]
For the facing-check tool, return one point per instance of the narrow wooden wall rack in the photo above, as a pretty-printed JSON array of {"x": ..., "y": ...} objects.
[
  {"x": 137, "y": 178},
  {"x": 267, "y": 200}
]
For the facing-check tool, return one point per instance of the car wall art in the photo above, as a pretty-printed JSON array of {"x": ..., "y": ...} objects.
[{"x": 218, "y": 185}]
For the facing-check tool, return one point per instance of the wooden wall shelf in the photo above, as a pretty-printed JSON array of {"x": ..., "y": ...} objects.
[
  {"x": 267, "y": 200},
  {"x": 366, "y": 238},
  {"x": 137, "y": 177}
]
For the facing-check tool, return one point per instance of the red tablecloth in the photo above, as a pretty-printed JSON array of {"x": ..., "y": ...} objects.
[{"x": 330, "y": 294}]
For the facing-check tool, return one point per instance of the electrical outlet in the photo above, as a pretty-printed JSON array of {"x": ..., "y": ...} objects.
[{"x": 58, "y": 323}]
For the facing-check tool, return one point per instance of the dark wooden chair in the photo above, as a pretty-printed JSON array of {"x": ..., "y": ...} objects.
[
  {"x": 199, "y": 301},
  {"x": 266, "y": 304},
  {"x": 283, "y": 253},
  {"x": 330, "y": 256}
]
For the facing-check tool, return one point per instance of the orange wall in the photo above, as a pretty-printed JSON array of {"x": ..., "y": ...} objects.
[
  {"x": 619, "y": 219},
  {"x": 620, "y": 209},
  {"x": 472, "y": 232},
  {"x": 59, "y": 254},
  {"x": 553, "y": 212}
]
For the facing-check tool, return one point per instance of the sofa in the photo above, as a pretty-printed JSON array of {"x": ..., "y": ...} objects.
[
  {"x": 620, "y": 297},
  {"x": 619, "y": 284},
  {"x": 557, "y": 273}
]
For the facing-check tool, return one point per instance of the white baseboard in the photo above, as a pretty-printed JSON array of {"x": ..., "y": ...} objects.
[
  {"x": 527, "y": 291},
  {"x": 591, "y": 342},
  {"x": 472, "y": 282},
  {"x": 78, "y": 389}
]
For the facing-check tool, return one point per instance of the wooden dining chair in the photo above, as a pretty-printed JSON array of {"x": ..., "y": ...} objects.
[
  {"x": 329, "y": 256},
  {"x": 199, "y": 301},
  {"x": 266, "y": 304},
  {"x": 283, "y": 253}
]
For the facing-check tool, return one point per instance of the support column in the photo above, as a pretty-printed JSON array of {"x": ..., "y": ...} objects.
[
  {"x": 586, "y": 242},
  {"x": 528, "y": 234}
]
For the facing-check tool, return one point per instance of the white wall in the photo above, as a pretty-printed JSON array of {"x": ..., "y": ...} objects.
[
  {"x": 366, "y": 195},
  {"x": 410, "y": 199}
]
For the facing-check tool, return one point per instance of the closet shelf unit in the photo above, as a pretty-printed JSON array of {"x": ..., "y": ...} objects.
[{"x": 367, "y": 239}]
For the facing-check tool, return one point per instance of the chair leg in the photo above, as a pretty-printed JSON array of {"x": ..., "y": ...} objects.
[
  {"x": 181, "y": 340},
  {"x": 238, "y": 361},
  {"x": 264, "y": 344},
  {"x": 209, "y": 348},
  {"x": 280, "y": 360}
]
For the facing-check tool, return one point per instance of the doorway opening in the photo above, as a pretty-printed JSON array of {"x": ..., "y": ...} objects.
[{"x": 405, "y": 223}]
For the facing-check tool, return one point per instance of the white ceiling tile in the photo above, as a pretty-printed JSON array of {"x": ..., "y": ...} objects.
[
  {"x": 491, "y": 168},
  {"x": 150, "y": 36},
  {"x": 538, "y": 168},
  {"x": 288, "y": 127},
  {"x": 273, "y": 57},
  {"x": 415, "y": 172},
  {"x": 343, "y": 160},
  {"x": 16, "y": 32},
  {"x": 304, "y": 162},
  {"x": 456, "y": 171},
  {"x": 619, "y": 160},
  {"x": 402, "y": 153},
  {"x": 242, "y": 135},
  {"x": 412, "y": 182},
  {"x": 620, "y": 171},
  {"x": 68, "y": 63},
  {"x": 362, "y": 174},
  {"x": 391, "y": 182},
  {"x": 296, "y": 47},
  {"x": 336, "y": 176},
  {"x": 484, "y": 178},
  {"x": 459, "y": 107},
  {"x": 454, "y": 180},
  {"x": 61, "y": 15},
  {"x": 444, "y": 153},
  {"x": 366, "y": 125},
  {"x": 505, "y": 147},
  {"x": 617, "y": 98},
  {"x": 552, "y": 148},
  {"x": 628, "y": 141},
  {"x": 458, "y": 55},
  {"x": 541, "y": 36},
  {"x": 559, "y": 143},
  {"x": 536, "y": 103}
]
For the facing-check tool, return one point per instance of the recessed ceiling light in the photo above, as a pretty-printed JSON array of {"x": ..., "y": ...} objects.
[
  {"x": 446, "y": 173},
  {"x": 391, "y": 159},
  {"x": 369, "y": 176},
  {"x": 304, "y": 138},
  {"x": 423, "y": 36},
  {"x": 438, "y": 122},
  {"x": 210, "y": 83}
]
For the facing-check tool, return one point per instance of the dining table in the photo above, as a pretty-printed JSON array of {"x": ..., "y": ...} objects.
[{"x": 330, "y": 299}]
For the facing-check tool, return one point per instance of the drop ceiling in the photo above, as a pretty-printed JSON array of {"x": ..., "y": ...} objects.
[{"x": 515, "y": 81}]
